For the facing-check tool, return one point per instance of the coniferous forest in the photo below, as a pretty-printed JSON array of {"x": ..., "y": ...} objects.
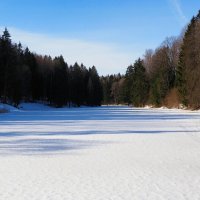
[
  {"x": 168, "y": 75},
  {"x": 25, "y": 76}
]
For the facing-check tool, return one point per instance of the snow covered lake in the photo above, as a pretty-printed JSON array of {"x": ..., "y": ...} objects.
[{"x": 107, "y": 153}]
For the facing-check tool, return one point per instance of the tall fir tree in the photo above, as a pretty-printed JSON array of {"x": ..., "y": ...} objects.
[
  {"x": 140, "y": 86},
  {"x": 188, "y": 72}
]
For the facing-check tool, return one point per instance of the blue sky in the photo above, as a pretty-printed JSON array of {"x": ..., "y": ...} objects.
[{"x": 109, "y": 34}]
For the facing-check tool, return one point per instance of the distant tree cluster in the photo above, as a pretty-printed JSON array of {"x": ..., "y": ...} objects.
[
  {"x": 136, "y": 84},
  {"x": 161, "y": 66},
  {"x": 148, "y": 80},
  {"x": 168, "y": 74},
  {"x": 25, "y": 76},
  {"x": 113, "y": 89}
]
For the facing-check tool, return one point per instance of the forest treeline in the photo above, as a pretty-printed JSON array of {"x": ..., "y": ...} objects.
[
  {"x": 26, "y": 76},
  {"x": 168, "y": 75}
]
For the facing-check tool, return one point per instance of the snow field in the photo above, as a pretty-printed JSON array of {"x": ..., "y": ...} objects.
[{"x": 102, "y": 153}]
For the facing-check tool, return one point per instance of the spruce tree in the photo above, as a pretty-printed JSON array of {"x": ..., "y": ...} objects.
[
  {"x": 188, "y": 72},
  {"x": 139, "y": 87}
]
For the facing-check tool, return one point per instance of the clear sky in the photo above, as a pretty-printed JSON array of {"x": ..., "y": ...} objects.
[{"x": 109, "y": 34}]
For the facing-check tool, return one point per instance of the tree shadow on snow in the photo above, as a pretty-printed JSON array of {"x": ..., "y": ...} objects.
[
  {"x": 43, "y": 146},
  {"x": 102, "y": 113},
  {"x": 44, "y": 143},
  {"x": 23, "y": 132}
]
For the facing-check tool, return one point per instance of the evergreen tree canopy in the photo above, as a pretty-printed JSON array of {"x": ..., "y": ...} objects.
[{"x": 25, "y": 76}]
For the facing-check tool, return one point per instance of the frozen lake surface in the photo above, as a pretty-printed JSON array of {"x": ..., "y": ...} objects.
[{"x": 106, "y": 153}]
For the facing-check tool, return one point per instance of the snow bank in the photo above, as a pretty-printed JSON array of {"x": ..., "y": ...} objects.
[
  {"x": 34, "y": 106},
  {"x": 7, "y": 107}
]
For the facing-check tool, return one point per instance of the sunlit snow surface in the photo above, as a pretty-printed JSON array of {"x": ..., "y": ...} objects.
[{"x": 107, "y": 153}]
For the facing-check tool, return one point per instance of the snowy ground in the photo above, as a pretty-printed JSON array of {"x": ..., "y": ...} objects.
[{"x": 108, "y": 153}]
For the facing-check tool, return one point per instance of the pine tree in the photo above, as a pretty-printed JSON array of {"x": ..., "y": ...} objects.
[
  {"x": 9, "y": 63},
  {"x": 189, "y": 65},
  {"x": 59, "y": 97},
  {"x": 94, "y": 89},
  {"x": 139, "y": 87},
  {"x": 128, "y": 84},
  {"x": 180, "y": 80}
]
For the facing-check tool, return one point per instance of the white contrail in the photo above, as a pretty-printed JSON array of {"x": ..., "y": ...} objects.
[{"x": 177, "y": 5}]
